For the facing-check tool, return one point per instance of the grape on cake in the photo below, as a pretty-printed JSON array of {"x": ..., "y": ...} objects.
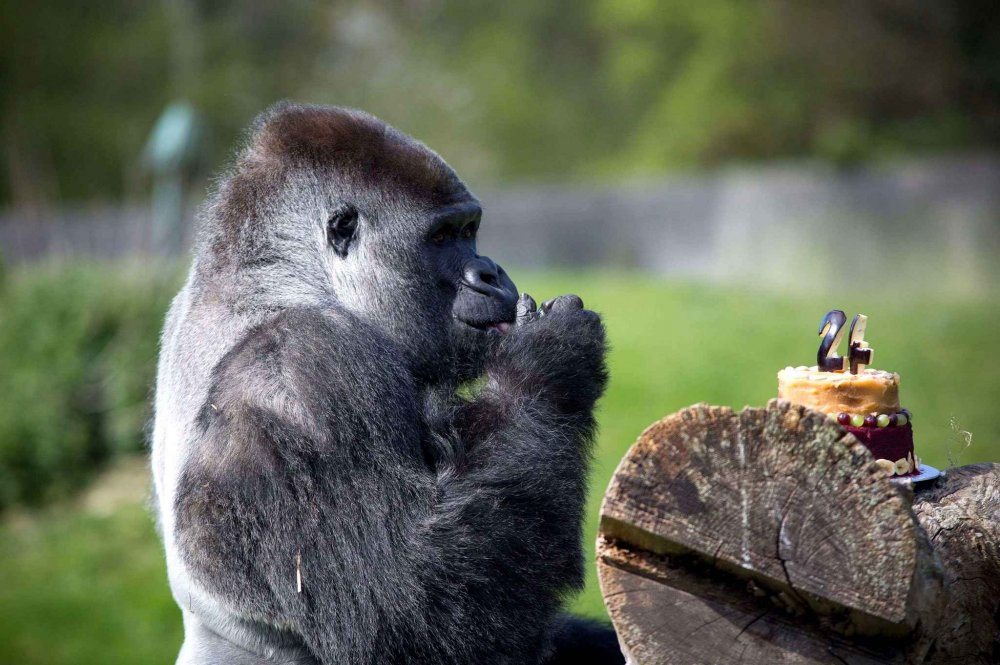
[{"x": 864, "y": 401}]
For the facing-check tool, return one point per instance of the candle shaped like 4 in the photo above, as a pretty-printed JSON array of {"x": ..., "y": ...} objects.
[{"x": 859, "y": 354}]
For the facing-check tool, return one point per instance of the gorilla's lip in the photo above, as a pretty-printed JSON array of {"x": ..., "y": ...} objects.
[{"x": 501, "y": 327}]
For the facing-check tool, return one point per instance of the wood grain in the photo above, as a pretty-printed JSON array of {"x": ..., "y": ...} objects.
[{"x": 769, "y": 535}]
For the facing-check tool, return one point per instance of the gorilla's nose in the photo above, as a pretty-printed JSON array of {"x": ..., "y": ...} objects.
[{"x": 481, "y": 274}]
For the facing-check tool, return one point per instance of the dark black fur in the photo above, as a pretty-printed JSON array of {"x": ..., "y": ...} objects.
[{"x": 426, "y": 528}]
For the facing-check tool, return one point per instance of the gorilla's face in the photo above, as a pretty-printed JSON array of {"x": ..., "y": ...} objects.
[
  {"x": 333, "y": 204},
  {"x": 399, "y": 240},
  {"x": 414, "y": 268}
]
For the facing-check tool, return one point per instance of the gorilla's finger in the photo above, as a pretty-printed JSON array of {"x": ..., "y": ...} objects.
[
  {"x": 526, "y": 309},
  {"x": 547, "y": 305},
  {"x": 567, "y": 303}
]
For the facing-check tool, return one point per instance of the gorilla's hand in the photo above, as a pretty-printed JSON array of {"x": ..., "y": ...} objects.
[{"x": 555, "y": 352}]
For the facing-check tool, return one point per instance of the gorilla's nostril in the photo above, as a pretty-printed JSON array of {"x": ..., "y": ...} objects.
[{"x": 481, "y": 274}]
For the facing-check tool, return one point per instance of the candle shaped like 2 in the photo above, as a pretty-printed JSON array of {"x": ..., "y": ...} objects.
[{"x": 831, "y": 329}]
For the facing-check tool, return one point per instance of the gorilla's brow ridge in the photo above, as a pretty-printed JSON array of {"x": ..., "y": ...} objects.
[{"x": 458, "y": 214}]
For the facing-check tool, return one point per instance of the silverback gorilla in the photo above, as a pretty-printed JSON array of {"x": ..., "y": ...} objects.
[{"x": 324, "y": 493}]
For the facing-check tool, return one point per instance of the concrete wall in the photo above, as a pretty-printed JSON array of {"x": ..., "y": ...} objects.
[
  {"x": 927, "y": 225},
  {"x": 920, "y": 225}
]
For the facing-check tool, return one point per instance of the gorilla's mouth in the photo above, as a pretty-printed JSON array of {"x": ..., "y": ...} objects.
[
  {"x": 491, "y": 314},
  {"x": 495, "y": 327},
  {"x": 499, "y": 327}
]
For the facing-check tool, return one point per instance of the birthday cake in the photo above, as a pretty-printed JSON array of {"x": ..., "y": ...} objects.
[{"x": 864, "y": 401}]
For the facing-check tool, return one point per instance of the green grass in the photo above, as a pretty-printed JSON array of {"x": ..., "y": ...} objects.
[{"x": 82, "y": 588}]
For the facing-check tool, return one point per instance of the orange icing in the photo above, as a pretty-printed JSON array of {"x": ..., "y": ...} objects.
[{"x": 871, "y": 391}]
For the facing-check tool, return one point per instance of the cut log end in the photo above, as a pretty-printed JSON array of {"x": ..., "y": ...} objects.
[{"x": 767, "y": 535}]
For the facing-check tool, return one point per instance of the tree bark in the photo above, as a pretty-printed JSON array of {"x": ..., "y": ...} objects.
[{"x": 770, "y": 536}]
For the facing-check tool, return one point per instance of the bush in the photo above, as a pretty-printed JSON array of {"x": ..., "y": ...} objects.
[{"x": 78, "y": 348}]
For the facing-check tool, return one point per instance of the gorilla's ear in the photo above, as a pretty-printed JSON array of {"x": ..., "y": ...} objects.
[{"x": 341, "y": 229}]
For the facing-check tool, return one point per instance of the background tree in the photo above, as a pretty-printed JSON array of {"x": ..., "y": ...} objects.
[{"x": 516, "y": 90}]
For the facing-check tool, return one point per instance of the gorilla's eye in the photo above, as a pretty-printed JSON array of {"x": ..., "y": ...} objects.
[
  {"x": 340, "y": 230},
  {"x": 469, "y": 231},
  {"x": 439, "y": 238}
]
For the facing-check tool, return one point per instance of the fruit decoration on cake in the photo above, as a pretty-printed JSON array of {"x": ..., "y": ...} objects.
[{"x": 863, "y": 400}]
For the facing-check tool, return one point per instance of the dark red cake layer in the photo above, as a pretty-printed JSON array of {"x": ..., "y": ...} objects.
[{"x": 891, "y": 443}]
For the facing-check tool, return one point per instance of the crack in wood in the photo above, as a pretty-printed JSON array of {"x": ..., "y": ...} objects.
[
  {"x": 752, "y": 622},
  {"x": 784, "y": 568},
  {"x": 826, "y": 537}
]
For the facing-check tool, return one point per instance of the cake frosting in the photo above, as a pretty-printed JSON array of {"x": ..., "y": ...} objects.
[{"x": 869, "y": 391}]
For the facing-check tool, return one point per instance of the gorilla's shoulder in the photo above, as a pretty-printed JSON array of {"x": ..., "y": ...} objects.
[
  {"x": 297, "y": 338},
  {"x": 310, "y": 362}
]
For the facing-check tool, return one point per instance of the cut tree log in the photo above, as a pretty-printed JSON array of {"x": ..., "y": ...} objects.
[
  {"x": 770, "y": 536},
  {"x": 961, "y": 515}
]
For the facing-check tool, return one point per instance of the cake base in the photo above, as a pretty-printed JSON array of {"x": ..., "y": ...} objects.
[{"x": 894, "y": 444}]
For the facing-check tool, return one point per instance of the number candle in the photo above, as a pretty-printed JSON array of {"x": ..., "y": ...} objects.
[
  {"x": 831, "y": 329},
  {"x": 860, "y": 353}
]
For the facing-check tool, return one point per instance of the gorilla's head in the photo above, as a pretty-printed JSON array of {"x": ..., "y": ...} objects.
[{"x": 332, "y": 206}]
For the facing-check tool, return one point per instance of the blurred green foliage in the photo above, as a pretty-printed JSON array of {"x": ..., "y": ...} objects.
[
  {"x": 512, "y": 90},
  {"x": 78, "y": 348},
  {"x": 95, "y": 576},
  {"x": 85, "y": 588}
]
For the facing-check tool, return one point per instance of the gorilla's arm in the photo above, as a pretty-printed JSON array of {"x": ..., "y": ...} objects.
[
  {"x": 533, "y": 422},
  {"x": 311, "y": 465}
]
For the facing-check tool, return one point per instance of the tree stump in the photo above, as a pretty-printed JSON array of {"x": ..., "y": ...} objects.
[{"x": 770, "y": 536}]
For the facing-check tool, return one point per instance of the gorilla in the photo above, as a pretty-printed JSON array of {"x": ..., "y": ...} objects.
[{"x": 367, "y": 448}]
